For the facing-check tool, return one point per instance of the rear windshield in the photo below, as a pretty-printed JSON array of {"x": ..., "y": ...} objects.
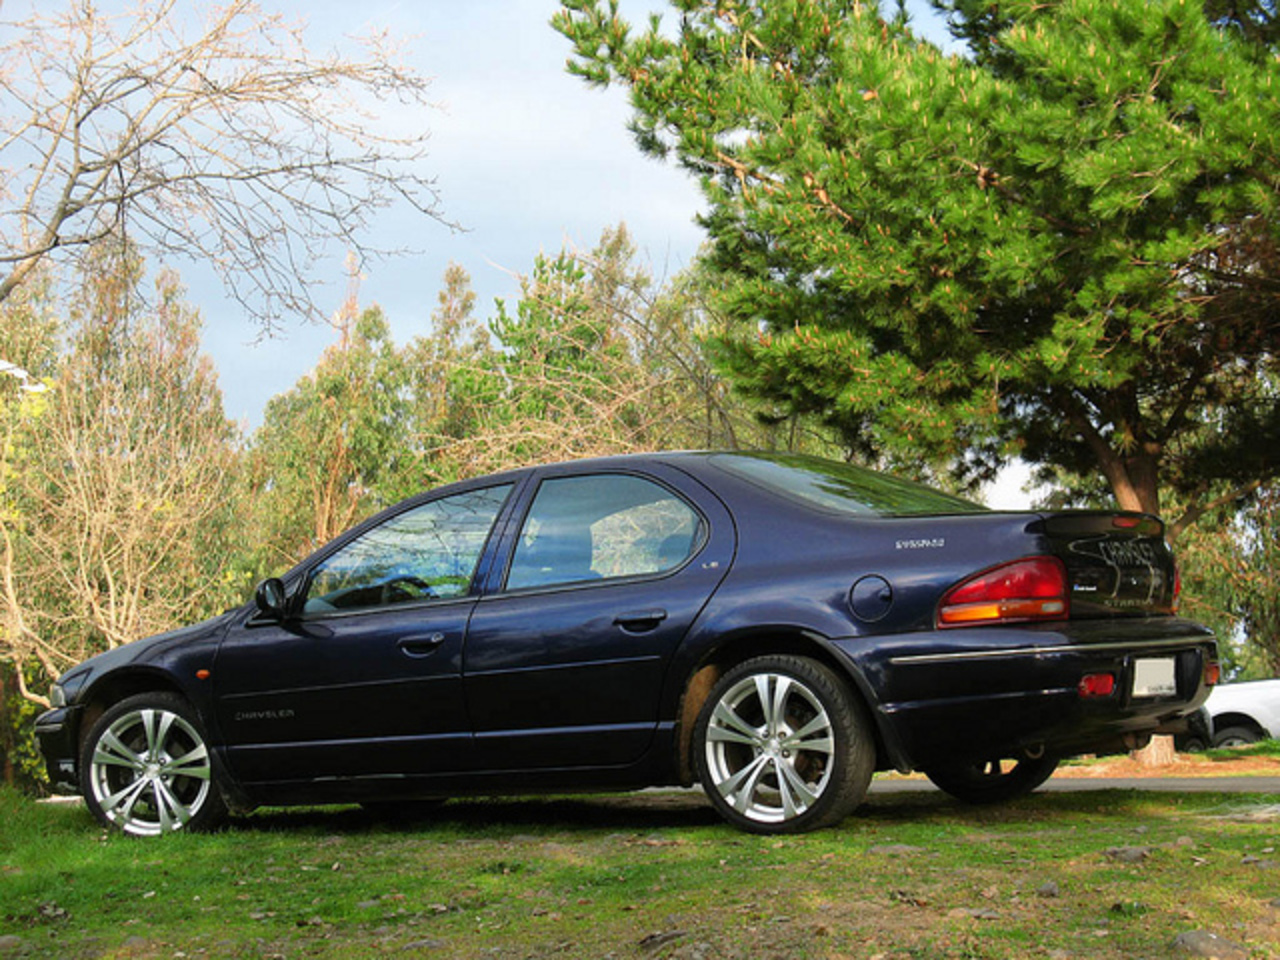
[{"x": 840, "y": 487}]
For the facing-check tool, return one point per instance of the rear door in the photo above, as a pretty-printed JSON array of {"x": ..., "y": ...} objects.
[{"x": 565, "y": 657}]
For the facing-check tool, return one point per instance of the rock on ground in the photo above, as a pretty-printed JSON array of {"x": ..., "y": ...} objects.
[{"x": 1202, "y": 943}]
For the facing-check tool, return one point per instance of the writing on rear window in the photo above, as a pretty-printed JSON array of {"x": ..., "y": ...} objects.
[{"x": 1131, "y": 553}]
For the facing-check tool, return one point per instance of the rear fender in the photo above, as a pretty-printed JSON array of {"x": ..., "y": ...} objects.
[{"x": 777, "y": 639}]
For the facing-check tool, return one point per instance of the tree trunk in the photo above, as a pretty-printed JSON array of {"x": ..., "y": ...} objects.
[{"x": 6, "y": 738}]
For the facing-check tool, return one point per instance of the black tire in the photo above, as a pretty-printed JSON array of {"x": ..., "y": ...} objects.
[
  {"x": 1236, "y": 737},
  {"x": 146, "y": 768},
  {"x": 801, "y": 761},
  {"x": 994, "y": 781}
]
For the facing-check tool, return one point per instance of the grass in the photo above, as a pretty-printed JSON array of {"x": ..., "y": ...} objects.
[
  {"x": 1264, "y": 748},
  {"x": 653, "y": 875}
]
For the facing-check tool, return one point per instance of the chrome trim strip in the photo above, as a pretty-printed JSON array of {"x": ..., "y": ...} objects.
[{"x": 1041, "y": 651}]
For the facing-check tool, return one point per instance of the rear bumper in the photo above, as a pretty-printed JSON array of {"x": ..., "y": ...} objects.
[
  {"x": 56, "y": 734},
  {"x": 975, "y": 694}
]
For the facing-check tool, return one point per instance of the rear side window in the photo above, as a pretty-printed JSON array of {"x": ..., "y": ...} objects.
[
  {"x": 841, "y": 487},
  {"x": 602, "y": 527}
]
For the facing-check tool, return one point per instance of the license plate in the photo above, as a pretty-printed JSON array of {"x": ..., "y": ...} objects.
[{"x": 1154, "y": 677}]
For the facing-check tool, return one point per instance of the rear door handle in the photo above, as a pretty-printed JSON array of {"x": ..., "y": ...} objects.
[
  {"x": 640, "y": 621},
  {"x": 420, "y": 644}
]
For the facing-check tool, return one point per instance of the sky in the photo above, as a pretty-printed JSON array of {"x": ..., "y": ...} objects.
[{"x": 527, "y": 159}]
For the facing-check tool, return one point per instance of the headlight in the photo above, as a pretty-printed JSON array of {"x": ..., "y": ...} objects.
[{"x": 67, "y": 687}]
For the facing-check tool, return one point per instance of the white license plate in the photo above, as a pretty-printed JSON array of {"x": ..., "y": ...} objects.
[{"x": 1154, "y": 677}]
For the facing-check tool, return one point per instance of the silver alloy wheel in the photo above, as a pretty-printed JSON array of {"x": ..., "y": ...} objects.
[
  {"x": 769, "y": 747},
  {"x": 150, "y": 772}
]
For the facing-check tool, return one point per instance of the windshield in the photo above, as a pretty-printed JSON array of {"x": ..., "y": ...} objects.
[{"x": 840, "y": 486}]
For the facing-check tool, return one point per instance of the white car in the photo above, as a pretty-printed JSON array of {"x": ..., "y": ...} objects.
[{"x": 1242, "y": 713}]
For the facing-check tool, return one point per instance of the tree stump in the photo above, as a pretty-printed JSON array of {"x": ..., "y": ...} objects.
[{"x": 1158, "y": 753}]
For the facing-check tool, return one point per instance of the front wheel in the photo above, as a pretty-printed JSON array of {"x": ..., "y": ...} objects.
[
  {"x": 1235, "y": 737},
  {"x": 994, "y": 781},
  {"x": 783, "y": 746},
  {"x": 146, "y": 769}
]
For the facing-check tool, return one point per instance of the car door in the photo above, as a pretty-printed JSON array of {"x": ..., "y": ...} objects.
[
  {"x": 363, "y": 678},
  {"x": 565, "y": 658}
]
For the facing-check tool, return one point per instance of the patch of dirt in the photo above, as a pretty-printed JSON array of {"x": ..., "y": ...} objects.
[
  {"x": 1125, "y": 767},
  {"x": 1185, "y": 765}
]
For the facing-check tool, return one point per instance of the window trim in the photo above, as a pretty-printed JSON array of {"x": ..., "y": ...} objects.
[{"x": 517, "y": 521}]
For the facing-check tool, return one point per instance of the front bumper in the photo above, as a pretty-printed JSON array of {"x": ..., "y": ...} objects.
[
  {"x": 961, "y": 695},
  {"x": 56, "y": 732}
]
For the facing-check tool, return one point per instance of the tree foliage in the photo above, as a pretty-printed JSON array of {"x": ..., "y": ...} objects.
[
  {"x": 118, "y": 497},
  {"x": 211, "y": 132},
  {"x": 331, "y": 449},
  {"x": 597, "y": 358},
  {"x": 446, "y": 372},
  {"x": 1062, "y": 245},
  {"x": 1230, "y": 569}
]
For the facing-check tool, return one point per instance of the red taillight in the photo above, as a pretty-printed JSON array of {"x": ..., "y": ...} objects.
[
  {"x": 1030, "y": 589},
  {"x": 1097, "y": 685}
]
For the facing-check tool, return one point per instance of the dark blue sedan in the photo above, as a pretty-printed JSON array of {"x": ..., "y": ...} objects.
[{"x": 774, "y": 627}]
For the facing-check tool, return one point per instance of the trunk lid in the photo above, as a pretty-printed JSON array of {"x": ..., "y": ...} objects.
[{"x": 1118, "y": 564}]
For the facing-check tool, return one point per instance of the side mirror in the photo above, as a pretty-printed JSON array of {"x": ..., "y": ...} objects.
[{"x": 270, "y": 598}]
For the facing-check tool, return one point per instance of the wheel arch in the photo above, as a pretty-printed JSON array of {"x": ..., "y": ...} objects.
[
  {"x": 117, "y": 686},
  {"x": 742, "y": 645},
  {"x": 1222, "y": 721}
]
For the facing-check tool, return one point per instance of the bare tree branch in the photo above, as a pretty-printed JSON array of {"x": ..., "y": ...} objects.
[{"x": 211, "y": 133}]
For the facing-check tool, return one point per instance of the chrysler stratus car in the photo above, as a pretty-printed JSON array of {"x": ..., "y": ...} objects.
[{"x": 773, "y": 627}]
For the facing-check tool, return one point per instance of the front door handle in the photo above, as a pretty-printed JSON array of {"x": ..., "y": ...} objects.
[
  {"x": 640, "y": 621},
  {"x": 420, "y": 644}
]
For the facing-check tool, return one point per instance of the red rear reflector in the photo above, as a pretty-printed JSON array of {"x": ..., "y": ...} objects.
[
  {"x": 1097, "y": 685},
  {"x": 1212, "y": 673},
  {"x": 1030, "y": 589}
]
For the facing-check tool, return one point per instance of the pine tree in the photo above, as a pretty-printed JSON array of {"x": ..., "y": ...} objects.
[{"x": 1062, "y": 244}]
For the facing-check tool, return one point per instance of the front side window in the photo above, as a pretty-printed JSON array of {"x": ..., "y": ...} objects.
[
  {"x": 599, "y": 527},
  {"x": 429, "y": 552}
]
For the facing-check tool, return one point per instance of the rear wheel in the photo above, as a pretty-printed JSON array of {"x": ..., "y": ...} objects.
[
  {"x": 146, "y": 768},
  {"x": 996, "y": 780},
  {"x": 783, "y": 746}
]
